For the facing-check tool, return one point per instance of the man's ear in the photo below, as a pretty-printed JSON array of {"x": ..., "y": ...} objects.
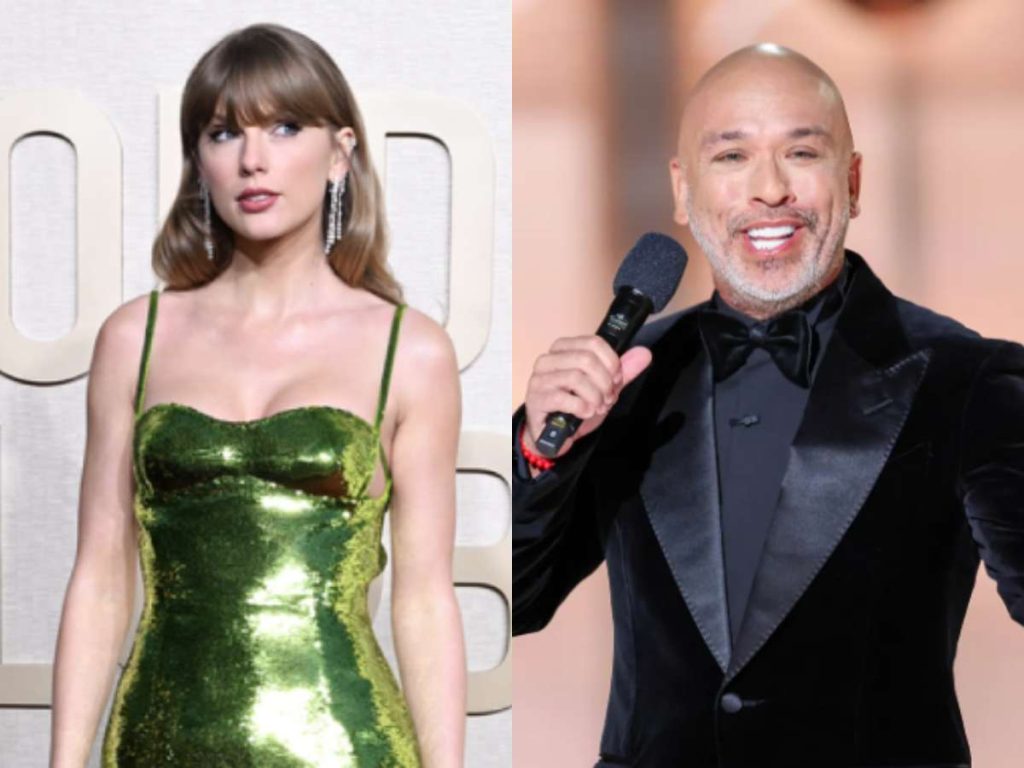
[
  {"x": 679, "y": 191},
  {"x": 854, "y": 182}
]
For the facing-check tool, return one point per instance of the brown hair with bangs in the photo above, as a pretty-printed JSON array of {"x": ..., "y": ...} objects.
[{"x": 255, "y": 75}]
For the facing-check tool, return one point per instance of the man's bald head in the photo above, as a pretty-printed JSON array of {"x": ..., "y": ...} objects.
[
  {"x": 766, "y": 177},
  {"x": 770, "y": 69}
]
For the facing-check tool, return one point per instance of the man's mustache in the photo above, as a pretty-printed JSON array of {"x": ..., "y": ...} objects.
[{"x": 808, "y": 219}]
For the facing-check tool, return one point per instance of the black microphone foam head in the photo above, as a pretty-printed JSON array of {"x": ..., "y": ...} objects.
[{"x": 654, "y": 267}]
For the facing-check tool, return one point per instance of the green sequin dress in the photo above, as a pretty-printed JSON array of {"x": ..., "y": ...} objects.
[{"x": 258, "y": 540}]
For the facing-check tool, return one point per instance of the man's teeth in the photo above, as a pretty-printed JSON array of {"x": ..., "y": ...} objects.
[
  {"x": 775, "y": 232},
  {"x": 767, "y": 245},
  {"x": 768, "y": 238}
]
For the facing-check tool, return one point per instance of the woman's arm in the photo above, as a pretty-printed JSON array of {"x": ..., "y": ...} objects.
[
  {"x": 100, "y": 594},
  {"x": 425, "y": 615}
]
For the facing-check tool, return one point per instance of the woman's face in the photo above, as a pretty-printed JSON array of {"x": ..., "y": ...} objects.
[{"x": 291, "y": 162}]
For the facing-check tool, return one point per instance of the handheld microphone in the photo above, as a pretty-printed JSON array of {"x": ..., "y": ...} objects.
[{"x": 646, "y": 280}]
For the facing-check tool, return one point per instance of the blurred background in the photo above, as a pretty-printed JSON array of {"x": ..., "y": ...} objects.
[{"x": 935, "y": 94}]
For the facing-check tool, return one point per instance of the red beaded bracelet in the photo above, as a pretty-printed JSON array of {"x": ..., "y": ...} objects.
[{"x": 534, "y": 460}]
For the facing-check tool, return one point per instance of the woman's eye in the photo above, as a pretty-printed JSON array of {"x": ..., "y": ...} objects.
[
  {"x": 292, "y": 126},
  {"x": 286, "y": 128}
]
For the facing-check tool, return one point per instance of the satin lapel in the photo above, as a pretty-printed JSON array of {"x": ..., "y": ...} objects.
[
  {"x": 854, "y": 414},
  {"x": 680, "y": 494}
]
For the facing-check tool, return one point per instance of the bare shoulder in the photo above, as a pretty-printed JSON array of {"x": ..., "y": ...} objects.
[
  {"x": 424, "y": 345},
  {"x": 118, "y": 348},
  {"x": 425, "y": 376},
  {"x": 123, "y": 330},
  {"x": 426, "y": 373}
]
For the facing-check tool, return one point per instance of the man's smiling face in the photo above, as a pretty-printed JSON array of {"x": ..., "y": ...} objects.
[{"x": 766, "y": 178}]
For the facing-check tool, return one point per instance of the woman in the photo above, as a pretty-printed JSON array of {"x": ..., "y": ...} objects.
[{"x": 282, "y": 399}]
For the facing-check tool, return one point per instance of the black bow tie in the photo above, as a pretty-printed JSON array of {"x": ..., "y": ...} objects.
[{"x": 788, "y": 338}]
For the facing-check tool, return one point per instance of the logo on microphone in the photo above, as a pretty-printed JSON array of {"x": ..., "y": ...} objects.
[{"x": 618, "y": 322}]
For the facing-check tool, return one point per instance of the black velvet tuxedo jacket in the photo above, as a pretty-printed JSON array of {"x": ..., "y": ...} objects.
[{"x": 907, "y": 466}]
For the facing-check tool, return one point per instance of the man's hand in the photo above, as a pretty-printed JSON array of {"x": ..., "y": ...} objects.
[{"x": 583, "y": 376}]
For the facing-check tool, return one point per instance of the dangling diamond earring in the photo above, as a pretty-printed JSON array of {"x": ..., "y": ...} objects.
[
  {"x": 334, "y": 213},
  {"x": 204, "y": 193}
]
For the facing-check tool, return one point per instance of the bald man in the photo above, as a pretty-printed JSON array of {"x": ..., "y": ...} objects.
[{"x": 792, "y": 483}]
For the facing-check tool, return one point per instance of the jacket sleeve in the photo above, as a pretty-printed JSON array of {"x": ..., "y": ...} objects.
[
  {"x": 992, "y": 471},
  {"x": 555, "y": 537}
]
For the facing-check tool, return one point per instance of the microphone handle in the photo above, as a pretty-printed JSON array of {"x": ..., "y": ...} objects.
[{"x": 626, "y": 315}]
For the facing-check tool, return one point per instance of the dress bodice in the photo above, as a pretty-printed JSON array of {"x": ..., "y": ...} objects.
[{"x": 258, "y": 541}]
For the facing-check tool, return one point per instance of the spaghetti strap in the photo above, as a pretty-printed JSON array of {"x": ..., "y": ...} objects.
[
  {"x": 385, "y": 379},
  {"x": 140, "y": 393}
]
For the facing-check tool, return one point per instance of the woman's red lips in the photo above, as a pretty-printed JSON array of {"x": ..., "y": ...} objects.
[
  {"x": 254, "y": 192},
  {"x": 257, "y": 202}
]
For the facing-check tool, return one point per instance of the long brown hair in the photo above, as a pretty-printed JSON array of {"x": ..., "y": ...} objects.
[{"x": 258, "y": 74}]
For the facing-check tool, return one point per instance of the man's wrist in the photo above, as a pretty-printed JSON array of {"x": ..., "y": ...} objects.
[{"x": 528, "y": 448}]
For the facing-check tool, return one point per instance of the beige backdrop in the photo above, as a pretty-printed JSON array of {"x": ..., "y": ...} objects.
[{"x": 936, "y": 100}]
